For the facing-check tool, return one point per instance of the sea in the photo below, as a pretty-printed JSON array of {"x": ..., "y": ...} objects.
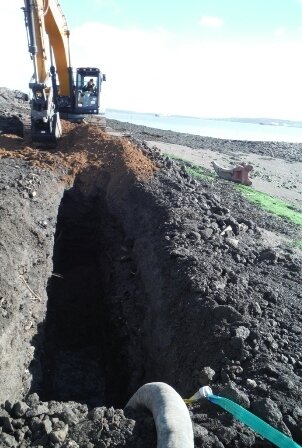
[{"x": 262, "y": 129}]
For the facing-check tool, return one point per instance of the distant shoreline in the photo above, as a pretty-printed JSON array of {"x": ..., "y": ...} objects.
[
  {"x": 257, "y": 120},
  {"x": 291, "y": 152}
]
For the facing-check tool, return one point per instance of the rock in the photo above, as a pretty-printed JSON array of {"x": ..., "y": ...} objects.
[
  {"x": 19, "y": 435},
  {"x": 47, "y": 425},
  {"x": 256, "y": 308},
  {"x": 37, "y": 410},
  {"x": 242, "y": 227},
  {"x": 268, "y": 255},
  {"x": 18, "y": 423},
  {"x": 206, "y": 233},
  {"x": 3, "y": 414},
  {"x": 246, "y": 440},
  {"x": 35, "y": 424},
  {"x": 232, "y": 242},
  {"x": 199, "y": 433},
  {"x": 71, "y": 444},
  {"x": 242, "y": 332},
  {"x": 206, "y": 375},
  {"x": 59, "y": 435},
  {"x": 68, "y": 416},
  {"x": 268, "y": 410},
  {"x": 251, "y": 383},
  {"x": 33, "y": 399},
  {"x": 97, "y": 413},
  {"x": 20, "y": 408},
  {"x": 270, "y": 296},
  {"x": 285, "y": 382},
  {"x": 7, "y": 441},
  {"x": 228, "y": 232},
  {"x": 225, "y": 435},
  {"x": 8, "y": 406},
  {"x": 7, "y": 424},
  {"x": 297, "y": 415},
  {"x": 226, "y": 312},
  {"x": 232, "y": 392}
]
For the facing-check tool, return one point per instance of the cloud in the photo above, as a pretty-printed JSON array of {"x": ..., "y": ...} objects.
[
  {"x": 280, "y": 31},
  {"x": 211, "y": 21},
  {"x": 153, "y": 72},
  {"x": 15, "y": 59},
  {"x": 159, "y": 72}
]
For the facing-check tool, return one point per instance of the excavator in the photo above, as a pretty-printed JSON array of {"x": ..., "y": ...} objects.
[{"x": 56, "y": 90}]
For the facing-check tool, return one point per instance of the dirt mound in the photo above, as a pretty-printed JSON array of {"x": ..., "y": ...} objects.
[
  {"x": 81, "y": 147},
  {"x": 14, "y": 108}
]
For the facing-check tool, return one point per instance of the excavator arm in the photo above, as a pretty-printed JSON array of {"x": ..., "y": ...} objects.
[{"x": 45, "y": 23}]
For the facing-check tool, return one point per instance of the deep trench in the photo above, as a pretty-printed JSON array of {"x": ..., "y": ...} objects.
[{"x": 85, "y": 355}]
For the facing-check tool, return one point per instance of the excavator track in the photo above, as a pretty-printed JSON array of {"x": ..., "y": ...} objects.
[
  {"x": 27, "y": 129},
  {"x": 50, "y": 142},
  {"x": 99, "y": 121}
]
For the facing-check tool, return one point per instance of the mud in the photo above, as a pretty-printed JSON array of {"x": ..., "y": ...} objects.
[{"x": 121, "y": 269}]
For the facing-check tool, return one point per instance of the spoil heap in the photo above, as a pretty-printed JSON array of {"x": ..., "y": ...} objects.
[
  {"x": 117, "y": 268},
  {"x": 14, "y": 110}
]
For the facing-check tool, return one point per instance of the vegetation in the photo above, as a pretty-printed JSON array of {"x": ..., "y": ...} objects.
[
  {"x": 194, "y": 170},
  {"x": 271, "y": 204}
]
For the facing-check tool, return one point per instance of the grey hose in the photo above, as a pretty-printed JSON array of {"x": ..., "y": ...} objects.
[{"x": 171, "y": 416}]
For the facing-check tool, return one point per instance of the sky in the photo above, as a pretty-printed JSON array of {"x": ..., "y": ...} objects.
[{"x": 209, "y": 58}]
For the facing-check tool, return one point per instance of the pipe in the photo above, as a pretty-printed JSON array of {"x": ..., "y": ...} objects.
[{"x": 171, "y": 416}]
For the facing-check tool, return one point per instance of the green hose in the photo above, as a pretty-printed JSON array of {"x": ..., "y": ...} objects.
[
  {"x": 257, "y": 424},
  {"x": 254, "y": 422}
]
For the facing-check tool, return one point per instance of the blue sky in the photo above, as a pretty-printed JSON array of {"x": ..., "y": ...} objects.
[
  {"x": 242, "y": 18},
  {"x": 209, "y": 58}
]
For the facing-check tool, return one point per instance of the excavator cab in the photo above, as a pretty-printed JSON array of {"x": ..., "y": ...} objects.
[
  {"x": 84, "y": 99},
  {"x": 87, "y": 90}
]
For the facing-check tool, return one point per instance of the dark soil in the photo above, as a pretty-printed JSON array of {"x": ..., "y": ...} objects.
[
  {"x": 118, "y": 272},
  {"x": 14, "y": 109}
]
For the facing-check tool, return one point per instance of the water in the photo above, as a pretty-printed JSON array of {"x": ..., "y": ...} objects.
[{"x": 212, "y": 128}]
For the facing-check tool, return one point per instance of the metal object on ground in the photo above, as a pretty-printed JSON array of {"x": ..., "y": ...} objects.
[{"x": 238, "y": 173}]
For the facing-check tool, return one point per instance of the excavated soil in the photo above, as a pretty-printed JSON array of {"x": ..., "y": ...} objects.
[{"x": 117, "y": 269}]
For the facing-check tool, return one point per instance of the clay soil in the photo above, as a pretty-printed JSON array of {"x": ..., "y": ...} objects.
[{"x": 118, "y": 268}]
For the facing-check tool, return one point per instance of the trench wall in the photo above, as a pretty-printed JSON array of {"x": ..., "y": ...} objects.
[{"x": 29, "y": 200}]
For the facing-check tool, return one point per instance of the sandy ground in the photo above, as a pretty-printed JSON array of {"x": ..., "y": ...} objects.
[{"x": 275, "y": 176}]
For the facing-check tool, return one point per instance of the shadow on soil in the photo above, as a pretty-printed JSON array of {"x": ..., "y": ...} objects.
[{"x": 83, "y": 345}]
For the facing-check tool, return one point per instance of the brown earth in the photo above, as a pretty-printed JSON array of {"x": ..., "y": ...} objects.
[{"x": 82, "y": 146}]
